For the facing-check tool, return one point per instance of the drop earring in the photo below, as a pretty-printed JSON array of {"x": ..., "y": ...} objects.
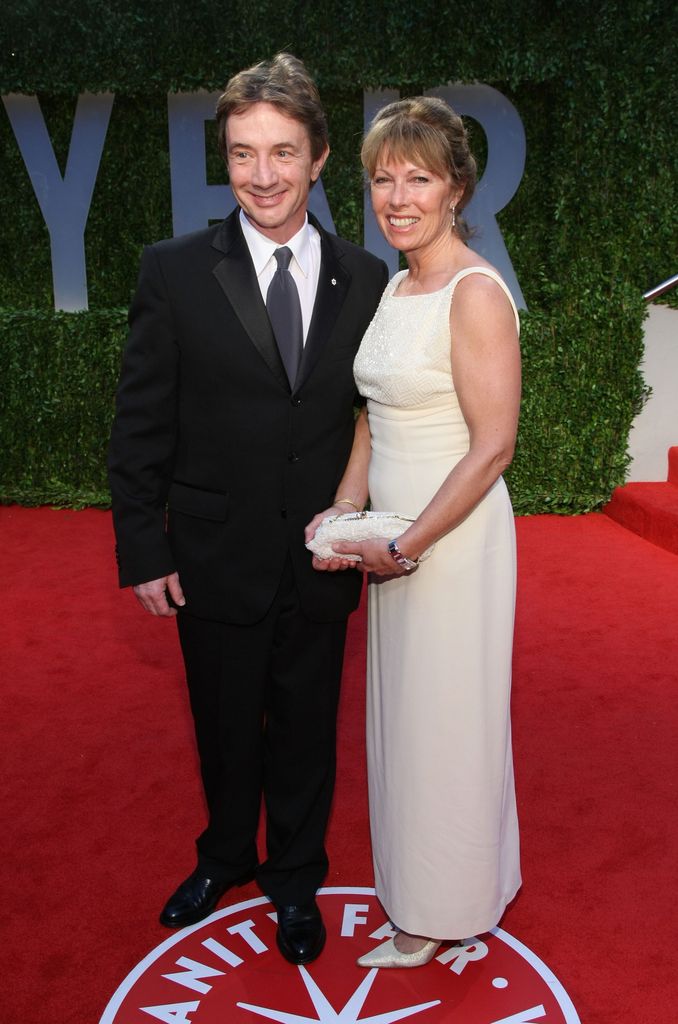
[{"x": 454, "y": 216}]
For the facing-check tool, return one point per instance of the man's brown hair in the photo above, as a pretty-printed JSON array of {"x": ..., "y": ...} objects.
[{"x": 284, "y": 82}]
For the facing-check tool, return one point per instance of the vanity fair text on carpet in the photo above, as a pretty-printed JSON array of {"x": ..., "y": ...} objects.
[{"x": 226, "y": 968}]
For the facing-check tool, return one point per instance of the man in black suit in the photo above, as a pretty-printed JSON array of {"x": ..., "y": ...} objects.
[{"x": 228, "y": 438}]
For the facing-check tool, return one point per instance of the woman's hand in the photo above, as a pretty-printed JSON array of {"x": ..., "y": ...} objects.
[
  {"x": 327, "y": 564},
  {"x": 375, "y": 556},
  {"x": 309, "y": 530}
]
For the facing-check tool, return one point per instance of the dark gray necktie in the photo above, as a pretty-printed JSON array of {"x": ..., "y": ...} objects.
[{"x": 284, "y": 311}]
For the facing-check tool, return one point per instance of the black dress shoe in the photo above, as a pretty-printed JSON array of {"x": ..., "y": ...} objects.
[
  {"x": 301, "y": 932},
  {"x": 196, "y": 898}
]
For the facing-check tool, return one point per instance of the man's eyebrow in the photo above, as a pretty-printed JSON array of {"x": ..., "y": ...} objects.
[{"x": 276, "y": 145}]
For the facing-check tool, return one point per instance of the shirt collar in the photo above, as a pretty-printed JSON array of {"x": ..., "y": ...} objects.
[{"x": 262, "y": 248}]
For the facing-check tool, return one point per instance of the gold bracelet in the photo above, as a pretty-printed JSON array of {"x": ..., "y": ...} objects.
[{"x": 346, "y": 501}]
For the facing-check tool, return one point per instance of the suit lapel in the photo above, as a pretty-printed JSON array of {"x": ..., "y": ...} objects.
[
  {"x": 235, "y": 274},
  {"x": 333, "y": 285}
]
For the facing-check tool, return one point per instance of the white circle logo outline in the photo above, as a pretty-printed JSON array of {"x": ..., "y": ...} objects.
[{"x": 563, "y": 1000}]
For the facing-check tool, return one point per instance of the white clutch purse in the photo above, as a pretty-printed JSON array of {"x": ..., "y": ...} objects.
[{"x": 357, "y": 526}]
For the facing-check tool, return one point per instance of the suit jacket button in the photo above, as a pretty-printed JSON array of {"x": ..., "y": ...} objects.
[
  {"x": 296, "y": 401},
  {"x": 283, "y": 513},
  {"x": 293, "y": 457}
]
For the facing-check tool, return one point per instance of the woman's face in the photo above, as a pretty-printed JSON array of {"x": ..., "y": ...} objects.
[{"x": 412, "y": 204}]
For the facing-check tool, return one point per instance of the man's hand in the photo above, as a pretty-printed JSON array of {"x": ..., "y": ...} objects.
[{"x": 153, "y": 595}]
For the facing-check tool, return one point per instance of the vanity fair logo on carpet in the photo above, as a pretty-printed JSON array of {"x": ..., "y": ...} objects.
[{"x": 227, "y": 970}]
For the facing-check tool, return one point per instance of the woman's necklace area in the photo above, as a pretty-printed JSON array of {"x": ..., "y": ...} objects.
[
  {"x": 427, "y": 284},
  {"x": 426, "y": 280}
]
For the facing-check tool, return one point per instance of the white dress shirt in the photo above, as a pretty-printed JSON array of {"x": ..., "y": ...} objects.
[{"x": 304, "y": 265}]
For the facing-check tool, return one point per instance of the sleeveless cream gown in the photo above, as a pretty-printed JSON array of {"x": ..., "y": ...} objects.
[{"x": 442, "y": 802}]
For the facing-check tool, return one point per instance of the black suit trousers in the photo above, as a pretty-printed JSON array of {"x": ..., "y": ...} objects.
[{"x": 264, "y": 701}]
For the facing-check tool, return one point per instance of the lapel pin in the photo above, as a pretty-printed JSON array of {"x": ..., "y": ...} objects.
[{"x": 334, "y": 280}]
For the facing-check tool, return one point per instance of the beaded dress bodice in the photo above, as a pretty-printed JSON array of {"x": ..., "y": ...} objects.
[{"x": 405, "y": 356}]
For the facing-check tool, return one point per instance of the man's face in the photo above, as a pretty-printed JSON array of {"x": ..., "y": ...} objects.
[{"x": 271, "y": 169}]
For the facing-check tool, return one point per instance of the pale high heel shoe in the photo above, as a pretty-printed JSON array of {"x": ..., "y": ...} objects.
[{"x": 388, "y": 955}]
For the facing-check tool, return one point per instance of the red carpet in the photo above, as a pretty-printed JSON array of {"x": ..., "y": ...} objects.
[{"x": 102, "y": 797}]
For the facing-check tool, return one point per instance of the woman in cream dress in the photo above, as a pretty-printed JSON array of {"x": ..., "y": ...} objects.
[{"x": 440, "y": 368}]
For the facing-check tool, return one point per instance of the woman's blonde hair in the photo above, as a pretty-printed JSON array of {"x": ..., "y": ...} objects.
[{"x": 426, "y": 131}]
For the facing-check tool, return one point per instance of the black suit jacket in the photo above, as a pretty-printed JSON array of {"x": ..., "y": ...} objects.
[{"x": 215, "y": 465}]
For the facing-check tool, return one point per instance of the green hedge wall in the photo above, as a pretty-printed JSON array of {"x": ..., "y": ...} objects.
[
  {"x": 58, "y": 371},
  {"x": 592, "y": 226}
]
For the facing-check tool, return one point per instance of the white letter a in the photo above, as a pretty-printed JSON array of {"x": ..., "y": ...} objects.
[{"x": 172, "y": 1013}]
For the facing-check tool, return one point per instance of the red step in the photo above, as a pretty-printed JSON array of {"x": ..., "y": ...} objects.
[
  {"x": 673, "y": 466},
  {"x": 650, "y": 509}
]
